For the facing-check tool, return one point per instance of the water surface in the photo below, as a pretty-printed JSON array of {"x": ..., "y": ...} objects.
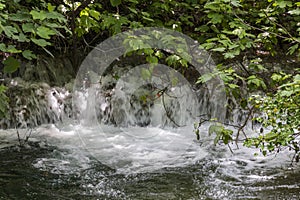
[{"x": 57, "y": 163}]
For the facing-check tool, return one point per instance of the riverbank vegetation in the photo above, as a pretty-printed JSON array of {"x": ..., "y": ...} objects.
[{"x": 256, "y": 45}]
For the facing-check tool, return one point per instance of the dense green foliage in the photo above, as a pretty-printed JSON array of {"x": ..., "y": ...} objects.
[
  {"x": 26, "y": 23},
  {"x": 243, "y": 36},
  {"x": 281, "y": 117}
]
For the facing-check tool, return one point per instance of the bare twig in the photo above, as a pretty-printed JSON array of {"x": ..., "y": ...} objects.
[
  {"x": 167, "y": 113},
  {"x": 241, "y": 128},
  {"x": 230, "y": 148},
  {"x": 28, "y": 136}
]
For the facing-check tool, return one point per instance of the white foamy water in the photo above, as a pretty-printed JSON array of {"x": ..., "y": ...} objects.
[
  {"x": 144, "y": 149},
  {"x": 139, "y": 149},
  {"x": 127, "y": 150}
]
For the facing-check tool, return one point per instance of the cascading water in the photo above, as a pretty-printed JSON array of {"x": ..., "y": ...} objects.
[
  {"x": 141, "y": 102},
  {"x": 154, "y": 119},
  {"x": 34, "y": 104}
]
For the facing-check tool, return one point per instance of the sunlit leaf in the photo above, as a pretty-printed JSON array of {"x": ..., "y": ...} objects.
[
  {"x": 2, "y": 6},
  {"x": 219, "y": 49},
  {"x": 50, "y": 7},
  {"x": 28, "y": 28},
  {"x": 40, "y": 15}
]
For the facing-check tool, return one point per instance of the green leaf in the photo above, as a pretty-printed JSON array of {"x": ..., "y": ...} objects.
[
  {"x": 205, "y": 77},
  {"x": 235, "y": 3},
  {"x": 286, "y": 93},
  {"x": 50, "y": 7},
  {"x": 217, "y": 138},
  {"x": 276, "y": 77},
  {"x": 38, "y": 15},
  {"x": 208, "y": 45},
  {"x": 9, "y": 31},
  {"x": 22, "y": 38},
  {"x": 133, "y": 10},
  {"x": 197, "y": 132},
  {"x": 244, "y": 103},
  {"x": 148, "y": 19},
  {"x": 2, "y": 47},
  {"x": 3, "y": 88},
  {"x": 11, "y": 65},
  {"x": 28, "y": 55},
  {"x": 115, "y": 2},
  {"x": 297, "y": 78},
  {"x": 172, "y": 59},
  {"x": 203, "y": 28},
  {"x": 283, "y": 4},
  {"x": 212, "y": 6},
  {"x": 40, "y": 42},
  {"x": 292, "y": 49},
  {"x": 233, "y": 86},
  {"x": 84, "y": 12},
  {"x": 294, "y": 12},
  {"x": 256, "y": 81},
  {"x": 218, "y": 129},
  {"x": 28, "y": 28},
  {"x": 2, "y": 6},
  {"x": 216, "y": 18},
  {"x": 152, "y": 59},
  {"x": 45, "y": 32},
  {"x": 12, "y": 49},
  {"x": 3, "y": 102},
  {"x": 56, "y": 16},
  {"x": 219, "y": 49},
  {"x": 229, "y": 55},
  {"x": 95, "y": 14},
  {"x": 20, "y": 17}
]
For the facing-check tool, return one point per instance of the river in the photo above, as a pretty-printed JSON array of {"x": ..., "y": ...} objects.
[{"x": 76, "y": 162}]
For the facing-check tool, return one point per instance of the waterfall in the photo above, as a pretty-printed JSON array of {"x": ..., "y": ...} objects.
[
  {"x": 33, "y": 104},
  {"x": 163, "y": 98}
]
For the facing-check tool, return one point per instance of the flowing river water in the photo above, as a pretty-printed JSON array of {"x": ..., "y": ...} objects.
[{"x": 77, "y": 162}]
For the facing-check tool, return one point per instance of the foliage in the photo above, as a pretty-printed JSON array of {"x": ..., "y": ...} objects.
[
  {"x": 243, "y": 25},
  {"x": 27, "y": 23},
  {"x": 282, "y": 117},
  {"x": 221, "y": 132},
  {"x": 264, "y": 28}
]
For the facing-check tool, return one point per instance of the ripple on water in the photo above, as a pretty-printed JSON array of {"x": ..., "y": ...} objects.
[{"x": 60, "y": 169}]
